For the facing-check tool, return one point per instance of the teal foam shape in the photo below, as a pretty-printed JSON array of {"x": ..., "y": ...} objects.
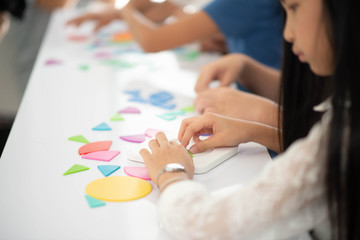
[
  {"x": 107, "y": 169},
  {"x": 167, "y": 117},
  {"x": 93, "y": 202},
  {"x": 102, "y": 127}
]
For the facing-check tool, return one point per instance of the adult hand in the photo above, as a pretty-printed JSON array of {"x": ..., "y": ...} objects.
[
  {"x": 227, "y": 70},
  {"x": 164, "y": 152},
  {"x": 225, "y": 132},
  {"x": 101, "y": 19}
]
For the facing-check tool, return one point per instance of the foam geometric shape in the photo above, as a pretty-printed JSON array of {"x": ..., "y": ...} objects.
[
  {"x": 168, "y": 106},
  {"x": 108, "y": 169},
  {"x": 190, "y": 55},
  {"x": 117, "y": 117},
  {"x": 79, "y": 138},
  {"x": 151, "y": 132},
  {"x": 50, "y": 62},
  {"x": 102, "y": 55},
  {"x": 190, "y": 154},
  {"x": 129, "y": 110},
  {"x": 118, "y": 188},
  {"x": 122, "y": 37},
  {"x": 160, "y": 97},
  {"x": 176, "y": 113},
  {"x": 188, "y": 109},
  {"x": 101, "y": 155},
  {"x": 93, "y": 202},
  {"x": 124, "y": 64},
  {"x": 139, "y": 172},
  {"x": 134, "y": 138},
  {"x": 78, "y": 38},
  {"x": 94, "y": 147},
  {"x": 102, "y": 127},
  {"x": 84, "y": 67},
  {"x": 75, "y": 168},
  {"x": 137, "y": 99},
  {"x": 110, "y": 62},
  {"x": 167, "y": 117}
]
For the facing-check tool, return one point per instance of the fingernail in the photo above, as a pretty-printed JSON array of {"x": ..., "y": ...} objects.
[{"x": 194, "y": 150}]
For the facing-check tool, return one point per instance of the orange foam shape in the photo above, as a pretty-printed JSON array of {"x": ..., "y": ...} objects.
[
  {"x": 94, "y": 147},
  {"x": 122, "y": 37}
]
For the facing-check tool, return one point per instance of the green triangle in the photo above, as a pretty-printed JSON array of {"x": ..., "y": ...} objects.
[
  {"x": 76, "y": 168},
  {"x": 93, "y": 202},
  {"x": 192, "y": 156},
  {"x": 117, "y": 117},
  {"x": 84, "y": 67},
  {"x": 188, "y": 109},
  {"x": 190, "y": 55},
  {"x": 79, "y": 138}
]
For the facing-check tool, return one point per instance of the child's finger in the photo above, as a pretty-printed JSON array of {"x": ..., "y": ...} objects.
[
  {"x": 192, "y": 129},
  {"x": 161, "y": 139},
  {"x": 145, "y": 154}
]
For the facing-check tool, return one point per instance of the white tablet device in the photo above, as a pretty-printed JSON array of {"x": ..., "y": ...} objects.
[{"x": 203, "y": 162}]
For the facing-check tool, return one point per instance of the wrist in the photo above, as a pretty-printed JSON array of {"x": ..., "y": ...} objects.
[
  {"x": 171, "y": 168},
  {"x": 169, "y": 178},
  {"x": 244, "y": 62},
  {"x": 117, "y": 14}
]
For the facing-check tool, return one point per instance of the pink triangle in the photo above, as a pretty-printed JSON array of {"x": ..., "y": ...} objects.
[
  {"x": 139, "y": 172},
  {"x": 129, "y": 110},
  {"x": 52, "y": 62},
  {"x": 101, "y": 155},
  {"x": 78, "y": 38},
  {"x": 134, "y": 138},
  {"x": 151, "y": 132},
  {"x": 102, "y": 55}
]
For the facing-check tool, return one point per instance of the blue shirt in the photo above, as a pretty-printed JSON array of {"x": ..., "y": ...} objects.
[{"x": 252, "y": 27}]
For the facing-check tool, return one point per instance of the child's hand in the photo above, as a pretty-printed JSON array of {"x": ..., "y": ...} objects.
[
  {"x": 101, "y": 19},
  {"x": 227, "y": 70},
  {"x": 248, "y": 106},
  {"x": 164, "y": 152},
  {"x": 225, "y": 132}
]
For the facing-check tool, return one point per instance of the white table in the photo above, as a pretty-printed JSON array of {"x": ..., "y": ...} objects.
[{"x": 36, "y": 201}]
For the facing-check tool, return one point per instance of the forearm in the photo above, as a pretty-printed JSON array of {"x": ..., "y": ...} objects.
[
  {"x": 142, "y": 28},
  {"x": 159, "y": 12},
  {"x": 261, "y": 79},
  {"x": 153, "y": 37},
  {"x": 141, "y": 5},
  {"x": 263, "y": 134},
  {"x": 54, "y": 4},
  {"x": 267, "y": 112}
]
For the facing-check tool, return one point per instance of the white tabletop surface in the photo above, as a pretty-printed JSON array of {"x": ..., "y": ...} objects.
[{"x": 36, "y": 200}]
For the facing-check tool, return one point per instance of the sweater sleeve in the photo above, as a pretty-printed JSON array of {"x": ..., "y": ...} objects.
[{"x": 288, "y": 198}]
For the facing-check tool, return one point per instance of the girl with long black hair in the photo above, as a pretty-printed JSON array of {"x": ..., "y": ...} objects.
[{"x": 312, "y": 186}]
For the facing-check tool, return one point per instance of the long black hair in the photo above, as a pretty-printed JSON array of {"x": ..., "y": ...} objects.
[
  {"x": 15, "y": 7},
  {"x": 301, "y": 90},
  {"x": 343, "y": 178}
]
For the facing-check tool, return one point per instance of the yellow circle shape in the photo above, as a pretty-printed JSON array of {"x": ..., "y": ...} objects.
[{"x": 118, "y": 188}]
